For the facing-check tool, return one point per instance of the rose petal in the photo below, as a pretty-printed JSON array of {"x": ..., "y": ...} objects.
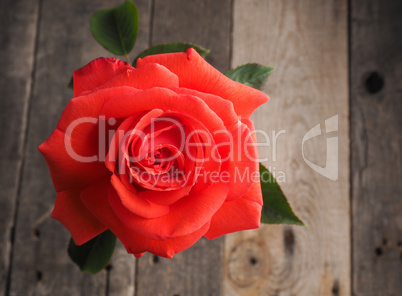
[
  {"x": 71, "y": 212},
  {"x": 165, "y": 99},
  {"x": 185, "y": 216},
  {"x": 117, "y": 149},
  {"x": 208, "y": 80},
  {"x": 202, "y": 157},
  {"x": 165, "y": 197},
  {"x": 172, "y": 135},
  {"x": 137, "y": 129},
  {"x": 96, "y": 73},
  {"x": 242, "y": 165},
  {"x": 135, "y": 204},
  {"x": 223, "y": 108},
  {"x": 241, "y": 214},
  {"x": 149, "y": 76},
  {"x": 74, "y": 168},
  {"x": 95, "y": 199},
  {"x": 186, "y": 107},
  {"x": 87, "y": 108},
  {"x": 166, "y": 248},
  {"x": 131, "y": 129}
]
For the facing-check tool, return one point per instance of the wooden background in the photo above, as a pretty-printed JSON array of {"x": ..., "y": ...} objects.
[{"x": 332, "y": 57}]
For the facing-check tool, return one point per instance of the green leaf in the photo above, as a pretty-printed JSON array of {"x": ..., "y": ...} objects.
[
  {"x": 254, "y": 75},
  {"x": 94, "y": 255},
  {"x": 276, "y": 209},
  {"x": 172, "y": 47},
  {"x": 116, "y": 28}
]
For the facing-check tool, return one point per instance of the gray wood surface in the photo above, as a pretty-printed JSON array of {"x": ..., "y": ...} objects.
[
  {"x": 43, "y": 41},
  {"x": 17, "y": 18},
  {"x": 376, "y": 123},
  {"x": 306, "y": 41},
  {"x": 207, "y": 23}
]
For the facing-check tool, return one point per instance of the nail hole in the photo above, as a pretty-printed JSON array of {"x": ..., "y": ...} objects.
[
  {"x": 335, "y": 288},
  {"x": 374, "y": 83},
  {"x": 39, "y": 275},
  {"x": 378, "y": 251},
  {"x": 289, "y": 240},
  {"x": 155, "y": 259},
  {"x": 109, "y": 267},
  {"x": 384, "y": 241},
  {"x": 36, "y": 233},
  {"x": 253, "y": 261},
  {"x": 399, "y": 244}
]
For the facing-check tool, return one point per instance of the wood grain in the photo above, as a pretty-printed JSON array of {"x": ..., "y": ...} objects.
[
  {"x": 195, "y": 271},
  {"x": 205, "y": 22},
  {"x": 40, "y": 264},
  {"x": 144, "y": 28},
  {"x": 198, "y": 270},
  {"x": 307, "y": 43},
  {"x": 376, "y": 122},
  {"x": 17, "y": 18},
  {"x": 121, "y": 273}
]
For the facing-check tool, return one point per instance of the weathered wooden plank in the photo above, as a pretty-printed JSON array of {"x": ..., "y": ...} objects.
[
  {"x": 205, "y": 22},
  {"x": 17, "y": 18},
  {"x": 121, "y": 273},
  {"x": 197, "y": 271},
  {"x": 376, "y": 109},
  {"x": 40, "y": 263},
  {"x": 307, "y": 43},
  {"x": 144, "y": 29}
]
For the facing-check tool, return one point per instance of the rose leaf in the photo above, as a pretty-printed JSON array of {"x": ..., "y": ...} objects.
[
  {"x": 276, "y": 209},
  {"x": 95, "y": 254},
  {"x": 116, "y": 28},
  {"x": 254, "y": 75},
  {"x": 172, "y": 47}
]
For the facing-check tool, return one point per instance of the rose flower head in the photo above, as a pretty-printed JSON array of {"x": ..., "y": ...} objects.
[{"x": 161, "y": 154}]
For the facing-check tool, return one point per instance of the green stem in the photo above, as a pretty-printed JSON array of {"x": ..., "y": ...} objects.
[{"x": 127, "y": 58}]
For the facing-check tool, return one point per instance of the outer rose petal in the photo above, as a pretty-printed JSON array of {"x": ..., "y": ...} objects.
[
  {"x": 80, "y": 119},
  {"x": 165, "y": 197},
  {"x": 223, "y": 108},
  {"x": 237, "y": 215},
  {"x": 243, "y": 162},
  {"x": 95, "y": 199},
  {"x": 72, "y": 213},
  {"x": 185, "y": 217},
  {"x": 152, "y": 75},
  {"x": 136, "y": 204},
  {"x": 67, "y": 172},
  {"x": 167, "y": 248},
  {"x": 161, "y": 98},
  {"x": 89, "y": 106},
  {"x": 97, "y": 73},
  {"x": 195, "y": 73}
]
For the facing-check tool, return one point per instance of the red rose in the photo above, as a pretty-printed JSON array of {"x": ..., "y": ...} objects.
[{"x": 161, "y": 155}]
